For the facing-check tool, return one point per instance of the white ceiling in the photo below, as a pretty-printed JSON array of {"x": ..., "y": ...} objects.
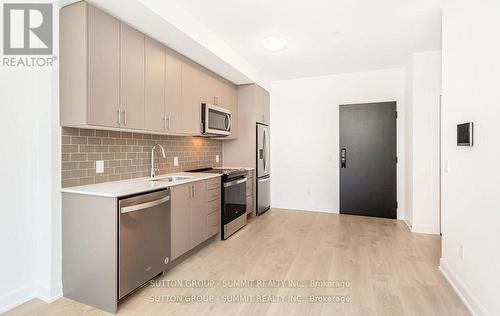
[{"x": 324, "y": 36}]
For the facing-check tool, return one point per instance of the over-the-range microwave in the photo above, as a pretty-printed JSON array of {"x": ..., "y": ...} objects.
[{"x": 215, "y": 121}]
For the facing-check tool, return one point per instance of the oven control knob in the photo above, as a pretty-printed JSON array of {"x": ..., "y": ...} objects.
[{"x": 166, "y": 260}]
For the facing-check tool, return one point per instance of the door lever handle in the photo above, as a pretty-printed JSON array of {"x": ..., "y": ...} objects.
[{"x": 343, "y": 158}]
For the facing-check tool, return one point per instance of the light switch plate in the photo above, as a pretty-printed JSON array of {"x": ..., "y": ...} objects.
[
  {"x": 216, "y": 158},
  {"x": 99, "y": 166},
  {"x": 176, "y": 161}
]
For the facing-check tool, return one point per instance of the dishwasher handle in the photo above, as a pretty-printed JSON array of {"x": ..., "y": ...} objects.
[{"x": 142, "y": 206}]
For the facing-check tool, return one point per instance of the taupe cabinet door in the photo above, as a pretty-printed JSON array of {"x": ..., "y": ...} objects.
[
  {"x": 112, "y": 76},
  {"x": 199, "y": 213},
  {"x": 181, "y": 219},
  {"x": 191, "y": 99},
  {"x": 155, "y": 119},
  {"x": 262, "y": 103},
  {"x": 228, "y": 98},
  {"x": 173, "y": 92},
  {"x": 132, "y": 77},
  {"x": 104, "y": 68},
  {"x": 189, "y": 216}
]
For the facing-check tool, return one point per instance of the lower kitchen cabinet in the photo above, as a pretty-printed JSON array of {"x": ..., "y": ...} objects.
[
  {"x": 213, "y": 210},
  {"x": 103, "y": 237},
  {"x": 250, "y": 192},
  {"x": 180, "y": 210},
  {"x": 213, "y": 223},
  {"x": 198, "y": 213},
  {"x": 194, "y": 217}
]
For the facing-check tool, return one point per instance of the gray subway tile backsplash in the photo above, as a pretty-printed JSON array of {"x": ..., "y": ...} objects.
[{"x": 127, "y": 155}]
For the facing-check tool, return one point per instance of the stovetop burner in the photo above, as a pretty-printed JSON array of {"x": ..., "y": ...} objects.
[{"x": 224, "y": 171}]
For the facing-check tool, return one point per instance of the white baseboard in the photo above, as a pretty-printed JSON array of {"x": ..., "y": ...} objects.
[
  {"x": 407, "y": 223},
  {"x": 48, "y": 294},
  {"x": 16, "y": 298},
  {"x": 421, "y": 229},
  {"x": 463, "y": 292},
  {"x": 305, "y": 210}
]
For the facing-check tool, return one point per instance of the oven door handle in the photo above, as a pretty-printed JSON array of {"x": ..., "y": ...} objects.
[{"x": 235, "y": 182}]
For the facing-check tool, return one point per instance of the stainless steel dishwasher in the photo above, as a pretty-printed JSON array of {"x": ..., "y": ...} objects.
[{"x": 144, "y": 239}]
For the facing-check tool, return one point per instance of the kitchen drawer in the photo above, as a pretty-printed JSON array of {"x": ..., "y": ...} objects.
[
  {"x": 250, "y": 208},
  {"x": 213, "y": 183},
  {"x": 249, "y": 204},
  {"x": 213, "y": 206},
  {"x": 213, "y": 223},
  {"x": 213, "y": 195},
  {"x": 249, "y": 187}
]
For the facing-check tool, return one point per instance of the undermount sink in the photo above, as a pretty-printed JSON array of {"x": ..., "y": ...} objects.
[{"x": 171, "y": 179}]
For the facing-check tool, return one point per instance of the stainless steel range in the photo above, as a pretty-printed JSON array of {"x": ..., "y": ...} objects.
[{"x": 233, "y": 202}]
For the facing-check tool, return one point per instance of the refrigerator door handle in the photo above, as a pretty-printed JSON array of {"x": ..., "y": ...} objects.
[{"x": 264, "y": 154}]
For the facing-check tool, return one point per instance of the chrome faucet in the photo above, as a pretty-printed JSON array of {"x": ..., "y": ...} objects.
[{"x": 154, "y": 167}]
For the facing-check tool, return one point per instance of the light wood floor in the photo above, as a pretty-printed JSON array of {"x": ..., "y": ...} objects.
[{"x": 391, "y": 271}]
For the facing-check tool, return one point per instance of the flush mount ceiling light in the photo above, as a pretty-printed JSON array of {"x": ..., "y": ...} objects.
[{"x": 274, "y": 44}]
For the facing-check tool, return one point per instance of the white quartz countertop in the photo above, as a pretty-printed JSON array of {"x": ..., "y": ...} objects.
[{"x": 139, "y": 185}]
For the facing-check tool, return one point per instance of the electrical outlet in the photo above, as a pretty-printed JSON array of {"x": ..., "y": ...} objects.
[
  {"x": 461, "y": 251},
  {"x": 216, "y": 158},
  {"x": 176, "y": 161},
  {"x": 99, "y": 166}
]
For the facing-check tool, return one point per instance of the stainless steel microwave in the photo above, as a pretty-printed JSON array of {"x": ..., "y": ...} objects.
[{"x": 215, "y": 121}]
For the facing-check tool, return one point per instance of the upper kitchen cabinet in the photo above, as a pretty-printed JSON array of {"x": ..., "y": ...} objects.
[
  {"x": 173, "y": 92},
  {"x": 192, "y": 97},
  {"x": 199, "y": 85},
  {"x": 262, "y": 104},
  {"x": 220, "y": 92},
  {"x": 89, "y": 67},
  {"x": 132, "y": 77},
  {"x": 163, "y": 89},
  {"x": 154, "y": 86},
  {"x": 253, "y": 106},
  {"x": 227, "y": 97},
  {"x": 113, "y": 76}
]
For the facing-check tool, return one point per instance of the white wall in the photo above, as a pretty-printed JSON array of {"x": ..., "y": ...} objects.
[
  {"x": 305, "y": 135},
  {"x": 409, "y": 142},
  {"x": 471, "y": 185},
  {"x": 30, "y": 264},
  {"x": 423, "y": 89}
]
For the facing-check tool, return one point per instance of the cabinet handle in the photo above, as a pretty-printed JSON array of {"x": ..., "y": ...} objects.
[
  {"x": 194, "y": 192},
  {"x": 168, "y": 123},
  {"x": 119, "y": 119},
  {"x": 124, "y": 117},
  {"x": 164, "y": 123}
]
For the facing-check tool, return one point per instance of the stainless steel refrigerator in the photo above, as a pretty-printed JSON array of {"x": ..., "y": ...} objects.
[{"x": 263, "y": 168}]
